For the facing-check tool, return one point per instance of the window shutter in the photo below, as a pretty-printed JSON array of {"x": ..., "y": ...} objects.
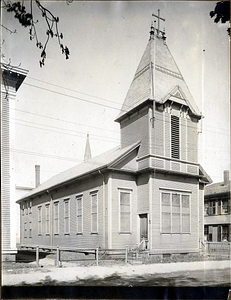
[{"x": 175, "y": 137}]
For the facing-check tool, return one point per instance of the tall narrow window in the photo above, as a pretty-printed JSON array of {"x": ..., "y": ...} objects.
[
  {"x": 66, "y": 216},
  {"x": 26, "y": 208},
  {"x": 94, "y": 212},
  {"x": 79, "y": 203},
  {"x": 166, "y": 213},
  {"x": 185, "y": 214},
  {"x": 175, "y": 137},
  {"x": 40, "y": 220},
  {"x": 30, "y": 229},
  {"x": 125, "y": 212},
  {"x": 23, "y": 209},
  {"x": 56, "y": 217},
  {"x": 25, "y": 230},
  {"x": 47, "y": 209},
  {"x": 175, "y": 213}
]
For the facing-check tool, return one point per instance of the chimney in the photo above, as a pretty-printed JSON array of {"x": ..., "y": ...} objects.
[
  {"x": 37, "y": 175},
  {"x": 226, "y": 177}
]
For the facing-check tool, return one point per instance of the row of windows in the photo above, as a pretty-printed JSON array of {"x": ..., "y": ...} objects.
[
  {"x": 79, "y": 216},
  {"x": 175, "y": 214},
  {"x": 216, "y": 207},
  {"x": 27, "y": 208},
  {"x": 175, "y": 211}
]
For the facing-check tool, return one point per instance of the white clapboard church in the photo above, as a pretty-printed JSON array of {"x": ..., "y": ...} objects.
[{"x": 149, "y": 189}]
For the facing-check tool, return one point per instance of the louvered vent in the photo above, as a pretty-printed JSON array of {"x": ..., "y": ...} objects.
[{"x": 175, "y": 137}]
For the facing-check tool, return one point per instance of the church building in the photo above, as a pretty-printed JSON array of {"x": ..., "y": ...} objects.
[{"x": 149, "y": 189}]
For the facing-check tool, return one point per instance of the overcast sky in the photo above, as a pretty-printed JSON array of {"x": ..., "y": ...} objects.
[{"x": 57, "y": 105}]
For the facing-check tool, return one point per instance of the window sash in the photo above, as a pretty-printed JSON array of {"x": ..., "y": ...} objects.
[
  {"x": 94, "y": 212},
  {"x": 56, "y": 217},
  {"x": 175, "y": 213},
  {"x": 79, "y": 214},
  {"x": 47, "y": 218},
  {"x": 40, "y": 220},
  {"x": 125, "y": 211},
  {"x": 66, "y": 216}
]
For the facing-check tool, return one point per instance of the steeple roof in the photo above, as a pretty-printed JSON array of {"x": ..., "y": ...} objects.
[
  {"x": 157, "y": 78},
  {"x": 87, "y": 154}
]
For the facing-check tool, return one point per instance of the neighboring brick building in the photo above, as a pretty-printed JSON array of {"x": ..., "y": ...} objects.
[
  {"x": 149, "y": 188},
  {"x": 217, "y": 211}
]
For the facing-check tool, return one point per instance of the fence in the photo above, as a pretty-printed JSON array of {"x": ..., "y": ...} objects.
[
  {"x": 62, "y": 254},
  {"x": 218, "y": 248}
]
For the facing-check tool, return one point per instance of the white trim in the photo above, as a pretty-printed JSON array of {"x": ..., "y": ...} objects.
[
  {"x": 129, "y": 191},
  {"x": 93, "y": 194},
  {"x": 40, "y": 221},
  {"x": 77, "y": 198},
  {"x": 150, "y": 218},
  {"x": 125, "y": 188},
  {"x": 171, "y": 192},
  {"x": 47, "y": 231},
  {"x": 175, "y": 190},
  {"x": 56, "y": 203}
]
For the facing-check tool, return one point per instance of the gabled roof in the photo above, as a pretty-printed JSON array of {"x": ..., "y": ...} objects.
[
  {"x": 84, "y": 169},
  {"x": 157, "y": 78},
  {"x": 217, "y": 188}
]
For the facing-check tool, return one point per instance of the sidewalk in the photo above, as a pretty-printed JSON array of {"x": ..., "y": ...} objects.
[{"x": 68, "y": 274}]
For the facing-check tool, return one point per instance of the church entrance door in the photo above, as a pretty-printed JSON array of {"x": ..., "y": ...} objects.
[{"x": 144, "y": 231}]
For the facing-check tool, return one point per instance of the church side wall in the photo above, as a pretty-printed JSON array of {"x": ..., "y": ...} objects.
[
  {"x": 136, "y": 129},
  {"x": 86, "y": 239},
  {"x": 165, "y": 242}
]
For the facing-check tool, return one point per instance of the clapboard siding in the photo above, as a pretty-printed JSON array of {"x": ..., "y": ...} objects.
[
  {"x": 129, "y": 182},
  {"x": 142, "y": 194},
  {"x": 171, "y": 242},
  {"x": 87, "y": 239},
  {"x": 192, "y": 143},
  {"x": 136, "y": 129},
  {"x": 157, "y": 136}
]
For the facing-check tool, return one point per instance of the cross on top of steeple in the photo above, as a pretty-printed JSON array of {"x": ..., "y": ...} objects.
[{"x": 153, "y": 29}]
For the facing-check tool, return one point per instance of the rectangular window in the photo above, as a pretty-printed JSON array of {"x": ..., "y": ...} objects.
[
  {"x": 225, "y": 206},
  {"x": 175, "y": 137},
  {"x": 30, "y": 229},
  {"x": 23, "y": 209},
  {"x": 225, "y": 233},
  {"x": 56, "y": 217},
  {"x": 125, "y": 212},
  {"x": 94, "y": 212},
  {"x": 66, "y": 216},
  {"x": 79, "y": 215},
  {"x": 26, "y": 209},
  {"x": 47, "y": 209},
  {"x": 25, "y": 230},
  {"x": 39, "y": 220},
  {"x": 175, "y": 212}
]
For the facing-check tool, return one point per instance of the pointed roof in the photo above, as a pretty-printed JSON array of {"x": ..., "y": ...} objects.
[
  {"x": 87, "y": 154},
  {"x": 157, "y": 78}
]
